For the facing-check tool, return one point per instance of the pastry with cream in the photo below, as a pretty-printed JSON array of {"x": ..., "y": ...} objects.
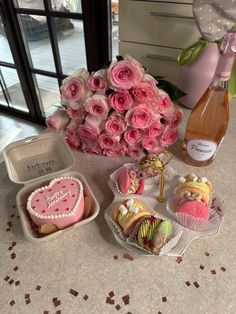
[
  {"x": 153, "y": 233},
  {"x": 194, "y": 195},
  {"x": 129, "y": 181},
  {"x": 128, "y": 213}
]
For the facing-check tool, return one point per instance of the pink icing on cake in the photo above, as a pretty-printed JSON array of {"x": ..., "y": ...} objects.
[
  {"x": 194, "y": 208},
  {"x": 60, "y": 203}
]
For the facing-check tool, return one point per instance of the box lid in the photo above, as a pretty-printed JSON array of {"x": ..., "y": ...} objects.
[{"x": 37, "y": 156}]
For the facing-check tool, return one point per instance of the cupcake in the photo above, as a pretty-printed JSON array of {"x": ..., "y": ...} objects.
[
  {"x": 128, "y": 213},
  {"x": 191, "y": 205},
  {"x": 153, "y": 233}
]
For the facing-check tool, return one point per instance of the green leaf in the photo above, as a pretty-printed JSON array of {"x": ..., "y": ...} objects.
[
  {"x": 172, "y": 90},
  {"x": 232, "y": 82}
]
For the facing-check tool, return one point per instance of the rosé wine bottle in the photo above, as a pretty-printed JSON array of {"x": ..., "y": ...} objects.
[{"x": 208, "y": 121}]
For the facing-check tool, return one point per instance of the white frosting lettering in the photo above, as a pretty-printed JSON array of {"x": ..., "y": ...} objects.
[{"x": 56, "y": 197}]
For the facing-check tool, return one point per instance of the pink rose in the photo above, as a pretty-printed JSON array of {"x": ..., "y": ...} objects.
[
  {"x": 74, "y": 87},
  {"x": 145, "y": 91},
  {"x": 109, "y": 142},
  {"x": 139, "y": 117},
  {"x": 169, "y": 136},
  {"x": 149, "y": 143},
  {"x": 86, "y": 131},
  {"x": 164, "y": 101},
  {"x": 121, "y": 100},
  {"x": 173, "y": 116},
  {"x": 115, "y": 124},
  {"x": 95, "y": 123},
  {"x": 73, "y": 141},
  {"x": 124, "y": 74},
  {"x": 91, "y": 146},
  {"x": 98, "y": 82},
  {"x": 97, "y": 105},
  {"x": 58, "y": 121},
  {"x": 72, "y": 128},
  {"x": 132, "y": 136},
  {"x": 115, "y": 153},
  {"x": 155, "y": 129},
  {"x": 78, "y": 113},
  {"x": 134, "y": 150}
]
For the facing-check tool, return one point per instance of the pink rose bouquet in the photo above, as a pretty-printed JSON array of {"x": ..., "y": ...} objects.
[{"x": 116, "y": 111}]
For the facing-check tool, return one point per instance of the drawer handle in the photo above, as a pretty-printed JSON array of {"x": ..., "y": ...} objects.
[
  {"x": 160, "y": 57},
  {"x": 174, "y": 15}
]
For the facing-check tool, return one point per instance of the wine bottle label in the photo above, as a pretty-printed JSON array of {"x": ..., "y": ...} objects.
[{"x": 201, "y": 150}]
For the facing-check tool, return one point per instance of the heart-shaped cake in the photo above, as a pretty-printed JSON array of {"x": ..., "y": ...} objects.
[{"x": 60, "y": 203}]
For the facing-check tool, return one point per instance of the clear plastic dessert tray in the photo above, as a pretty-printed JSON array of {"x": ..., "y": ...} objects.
[{"x": 183, "y": 236}]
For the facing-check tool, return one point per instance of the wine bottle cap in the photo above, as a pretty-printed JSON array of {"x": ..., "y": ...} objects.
[{"x": 228, "y": 46}]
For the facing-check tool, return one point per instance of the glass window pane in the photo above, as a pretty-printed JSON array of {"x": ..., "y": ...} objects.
[
  {"x": 48, "y": 93},
  {"x": 13, "y": 91},
  {"x": 36, "y": 38},
  {"x": 5, "y": 52},
  {"x": 72, "y": 47},
  {"x": 67, "y": 6},
  {"x": 115, "y": 28},
  {"x": 29, "y": 4}
]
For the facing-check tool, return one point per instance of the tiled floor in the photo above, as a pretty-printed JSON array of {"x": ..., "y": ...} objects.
[{"x": 13, "y": 129}]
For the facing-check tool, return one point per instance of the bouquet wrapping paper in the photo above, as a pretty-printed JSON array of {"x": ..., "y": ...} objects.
[{"x": 116, "y": 111}]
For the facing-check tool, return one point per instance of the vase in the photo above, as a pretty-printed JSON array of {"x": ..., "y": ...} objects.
[{"x": 196, "y": 77}]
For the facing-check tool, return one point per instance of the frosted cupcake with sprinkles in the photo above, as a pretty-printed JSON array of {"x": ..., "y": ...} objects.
[{"x": 58, "y": 204}]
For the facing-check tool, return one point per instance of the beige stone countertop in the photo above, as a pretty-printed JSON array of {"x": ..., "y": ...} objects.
[{"x": 87, "y": 271}]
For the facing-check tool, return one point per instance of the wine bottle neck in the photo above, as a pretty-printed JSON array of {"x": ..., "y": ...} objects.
[{"x": 224, "y": 67}]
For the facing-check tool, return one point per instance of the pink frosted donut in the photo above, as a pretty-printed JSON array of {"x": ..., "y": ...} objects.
[
  {"x": 60, "y": 203},
  {"x": 194, "y": 208}
]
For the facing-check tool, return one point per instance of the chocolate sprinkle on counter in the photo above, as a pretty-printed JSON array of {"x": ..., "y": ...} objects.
[
  {"x": 9, "y": 224},
  {"x": 201, "y": 267},
  {"x": 13, "y": 255},
  {"x": 27, "y": 301},
  {"x": 118, "y": 307},
  {"x": 164, "y": 299},
  {"x": 187, "y": 283},
  {"x": 17, "y": 283},
  {"x": 196, "y": 284},
  {"x": 46, "y": 312},
  {"x": 13, "y": 243},
  {"x": 125, "y": 299},
  {"x": 38, "y": 287},
  {"x": 213, "y": 271},
  {"x": 12, "y": 215},
  {"x": 159, "y": 312},
  {"x": 115, "y": 256},
  {"x": 16, "y": 268},
  {"x": 6, "y": 278},
  {"x": 57, "y": 303},
  {"x": 207, "y": 254},
  {"x": 11, "y": 282},
  {"x": 85, "y": 297},
  {"x": 223, "y": 269},
  {"x": 111, "y": 294},
  {"x": 27, "y": 296},
  {"x": 12, "y": 302},
  {"x": 73, "y": 292},
  {"x": 10, "y": 248},
  {"x": 8, "y": 229},
  {"x": 127, "y": 256},
  {"x": 179, "y": 259},
  {"x": 14, "y": 206},
  {"x": 58, "y": 312},
  {"x": 109, "y": 301}
]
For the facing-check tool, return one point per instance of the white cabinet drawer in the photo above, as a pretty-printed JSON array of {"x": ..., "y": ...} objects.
[
  {"x": 158, "y": 60},
  {"x": 157, "y": 23}
]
